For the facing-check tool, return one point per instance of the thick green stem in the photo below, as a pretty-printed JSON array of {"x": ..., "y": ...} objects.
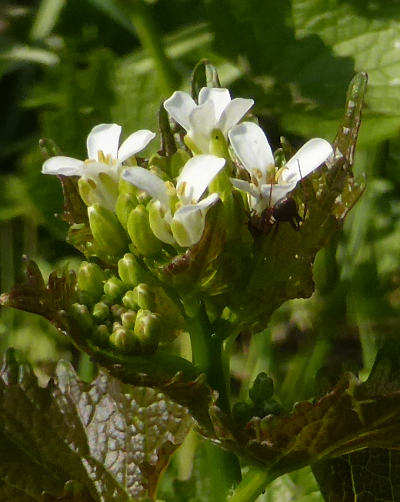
[
  {"x": 207, "y": 355},
  {"x": 252, "y": 485},
  {"x": 150, "y": 40}
]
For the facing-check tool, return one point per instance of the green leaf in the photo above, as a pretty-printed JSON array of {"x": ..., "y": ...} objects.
[
  {"x": 372, "y": 475},
  {"x": 352, "y": 416},
  {"x": 112, "y": 440}
]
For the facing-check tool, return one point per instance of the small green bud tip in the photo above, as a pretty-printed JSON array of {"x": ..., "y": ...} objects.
[
  {"x": 128, "y": 300},
  {"x": 262, "y": 388},
  {"x": 80, "y": 314},
  {"x": 144, "y": 297},
  {"x": 101, "y": 312},
  {"x": 147, "y": 330},
  {"x": 128, "y": 319},
  {"x": 114, "y": 288},
  {"x": 141, "y": 235},
  {"x": 91, "y": 279},
  {"x": 130, "y": 270},
  {"x": 123, "y": 340},
  {"x": 107, "y": 230},
  {"x": 117, "y": 311},
  {"x": 101, "y": 335},
  {"x": 126, "y": 202}
]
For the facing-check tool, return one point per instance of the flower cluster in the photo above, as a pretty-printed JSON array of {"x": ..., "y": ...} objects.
[{"x": 171, "y": 209}]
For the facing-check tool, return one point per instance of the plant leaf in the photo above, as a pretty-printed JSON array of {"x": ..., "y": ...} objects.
[
  {"x": 111, "y": 440},
  {"x": 372, "y": 474},
  {"x": 351, "y": 417}
]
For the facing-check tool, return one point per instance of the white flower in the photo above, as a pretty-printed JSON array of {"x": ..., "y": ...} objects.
[
  {"x": 216, "y": 110},
  {"x": 103, "y": 153},
  {"x": 104, "y": 162},
  {"x": 177, "y": 215},
  {"x": 268, "y": 184}
]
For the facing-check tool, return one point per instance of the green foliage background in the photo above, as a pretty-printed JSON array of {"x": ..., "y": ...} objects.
[{"x": 66, "y": 66}]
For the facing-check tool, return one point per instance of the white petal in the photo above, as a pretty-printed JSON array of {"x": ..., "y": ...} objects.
[
  {"x": 245, "y": 186},
  {"x": 205, "y": 204},
  {"x": 252, "y": 148},
  {"x": 219, "y": 97},
  {"x": 188, "y": 225},
  {"x": 196, "y": 175},
  {"x": 202, "y": 121},
  {"x": 104, "y": 137},
  {"x": 233, "y": 112},
  {"x": 179, "y": 106},
  {"x": 134, "y": 143},
  {"x": 275, "y": 192},
  {"x": 65, "y": 166},
  {"x": 148, "y": 182},
  {"x": 309, "y": 157}
]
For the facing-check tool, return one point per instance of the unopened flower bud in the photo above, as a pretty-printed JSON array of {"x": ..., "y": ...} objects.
[
  {"x": 80, "y": 315},
  {"x": 128, "y": 319},
  {"x": 91, "y": 279},
  {"x": 117, "y": 310},
  {"x": 147, "y": 330},
  {"x": 140, "y": 232},
  {"x": 130, "y": 270},
  {"x": 124, "y": 340},
  {"x": 262, "y": 388},
  {"x": 129, "y": 301},
  {"x": 144, "y": 297},
  {"x": 114, "y": 288},
  {"x": 101, "y": 335},
  {"x": 126, "y": 202},
  {"x": 101, "y": 311},
  {"x": 107, "y": 230}
]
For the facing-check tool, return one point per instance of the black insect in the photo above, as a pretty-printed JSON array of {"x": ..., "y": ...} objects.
[{"x": 286, "y": 209}]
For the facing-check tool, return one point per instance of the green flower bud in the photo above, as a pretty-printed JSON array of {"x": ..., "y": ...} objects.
[
  {"x": 101, "y": 311},
  {"x": 269, "y": 407},
  {"x": 262, "y": 388},
  {"x": 128, "y": 319},
  {"x": 80, "y": 314},
  {"x": 177, "y": 161},
  {"x": 126, "y": 202},
  {"x": 123, "y": 340},
  {"x": 144, "y": 297},
  {"x": 101, "y": 335},
  {"x": 107, "y": 230},
  {"x": 140, "y": 232},
  {"x": 114, "y": 288},
  {"x": 117, "y": 310},
  {"x": 147, "y": 330},
  {"x": 130, "y": 270},
  {"x": 129, "y": 301},
  {"x": 91, "y": 279}
]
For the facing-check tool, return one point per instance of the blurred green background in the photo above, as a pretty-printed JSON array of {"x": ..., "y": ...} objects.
[{"x": 67, "y": 65}]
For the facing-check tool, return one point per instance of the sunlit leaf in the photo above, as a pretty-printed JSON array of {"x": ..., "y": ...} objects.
[{"x": 111, "y": 440}]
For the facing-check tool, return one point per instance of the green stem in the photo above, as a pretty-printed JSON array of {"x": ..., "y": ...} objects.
[
  {"x": 207, "y": 355},
  {"x": 150, "y": 40},
  {"x": 252, "y": 485}
]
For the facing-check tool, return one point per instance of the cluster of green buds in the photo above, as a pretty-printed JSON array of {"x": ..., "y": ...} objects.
[{"x": 129, "y": 312}]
